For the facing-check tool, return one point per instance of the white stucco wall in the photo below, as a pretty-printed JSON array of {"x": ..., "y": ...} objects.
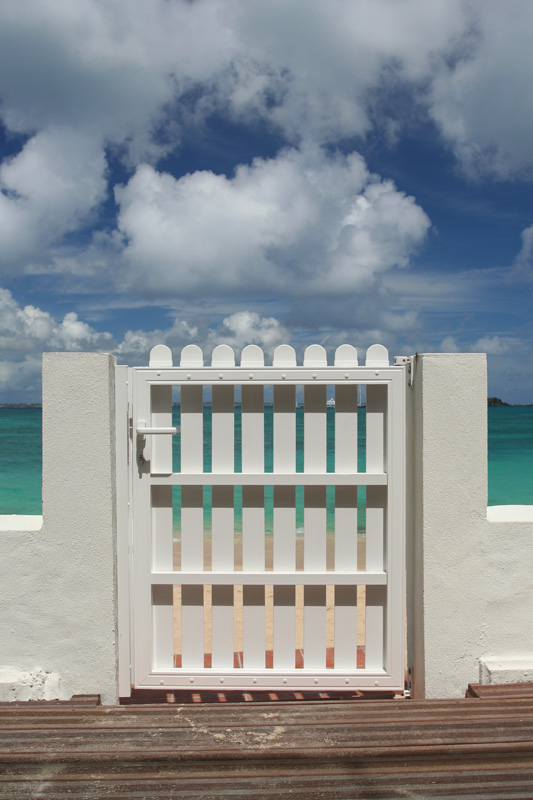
[
  {"x": 57, "y": 573},
  {"x": 471, "y": 569}
]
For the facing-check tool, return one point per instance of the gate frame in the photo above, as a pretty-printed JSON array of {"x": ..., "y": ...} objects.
[{"x": 132, "y": 654}]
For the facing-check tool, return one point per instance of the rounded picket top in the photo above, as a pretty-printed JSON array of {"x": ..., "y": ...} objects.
[
  {"x": 223, "y": 356},
  {"x": 377, "y": 356},
  {"x": 160, "y": 356},
  {"x": 346, "y": 356},
  {"x": 192, "y": 356},
  {"x": 252, "y": 356},
  {"x": 315, "y": 356},
  {"x": 284, "y": 356}
]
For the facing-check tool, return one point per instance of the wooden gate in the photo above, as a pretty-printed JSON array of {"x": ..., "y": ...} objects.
[{"x": 266, "y": 551}]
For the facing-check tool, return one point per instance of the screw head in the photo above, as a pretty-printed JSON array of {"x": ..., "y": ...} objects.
[
  {"x": 251, "y": 376},
  {"x": 189, "y": 377},
  {"x": 220, "y": 377},
  {"x": 283, "y": 377}
]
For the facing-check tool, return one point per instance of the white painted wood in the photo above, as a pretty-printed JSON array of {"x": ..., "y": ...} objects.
[
  {"x": 345, "y": 428},
  {"x": 222, "y": 515},
  {"x": 253, "y": 460},
  {"x": 223, "y": 356},
  {"x": 376, "y": 412},
  {"x": 162, "y": 528},
  {"x": 273, "y": 479},
  {"x": 253, "y": 627},
  {"x": 162, "y": 627},
  {"x": 284, "y": 461},
  {"x": 315, "y": 627},
  {"x": 346, "y": 356},
  {"x": 315, "y": 454},
  {"x": 192, "y": 528},
  {"x": 284, "y": 627},
  {"x": 222, "y": 528},
  {"x": 287, "y": 578},
  {"x": 124, "y": 520},
  {"x": 222, "y": 627},
  {"x": 346, "y": 528},
  {"x": 284, "y": 528},
  {"x": 315, "y": 356},
  {"x": 284, "y": 423},
  {"x": 376, "y": 504},
  {"x": 161, "y": 461},
  {"x": 377, "y": 356},
  {"x": 253, "y": 429},
  {"x": 345, "y": 627},
  {"x": 223, "y": 429},
  {"x": 252, "y": 356},
  {"x": 192, "y": 429},
  {"x": 385, "y": 492},
  {"x": 315, "y": 429},
  {"x": 253, "y": 528},
  {"x": 192, "y": 356},
  {"x": 192, "y": 626},
  {"x": 284, "y": 356},
  {"x": 160, "y": 356},
  {"x": 375, "y": 614},
  {"x": 192, "y": 502}
]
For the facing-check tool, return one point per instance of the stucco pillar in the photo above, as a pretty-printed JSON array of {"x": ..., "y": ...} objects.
[
  {"x": 447, "y": 464},
  {"x": 79, "y": 510}
]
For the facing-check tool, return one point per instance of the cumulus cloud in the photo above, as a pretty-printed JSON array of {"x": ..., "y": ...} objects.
[
  {"x": 480, "y": 98},
  {"x": 86, "y": 79},
  {"x": 304, "y": 222},
  {"x": 47, "y": 190}
]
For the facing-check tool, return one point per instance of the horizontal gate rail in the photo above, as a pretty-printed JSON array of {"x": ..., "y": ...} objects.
[{"x": 313, "y": 598}]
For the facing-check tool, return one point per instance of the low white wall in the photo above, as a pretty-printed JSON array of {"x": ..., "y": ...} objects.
[
  {"x": 57, "y": 573},
  {"x": 470, "y": 569}
]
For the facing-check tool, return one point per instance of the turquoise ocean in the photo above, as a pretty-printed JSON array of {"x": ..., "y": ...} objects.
[{"x": 510, "y": 447}]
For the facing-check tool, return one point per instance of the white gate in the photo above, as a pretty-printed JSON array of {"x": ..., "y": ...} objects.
[{"x": 260, "y": 561}]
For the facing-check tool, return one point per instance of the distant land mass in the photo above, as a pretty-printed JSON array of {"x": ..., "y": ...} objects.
[
  {"x": 20, "y": 405},
  {"x": 495, "y": 401}
]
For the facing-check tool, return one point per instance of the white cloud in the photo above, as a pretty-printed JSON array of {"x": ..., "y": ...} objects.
[
  {"x": 131, "y": 75},
  {"x": 449, "y": 345},
  {"x": 482, "y": 99},
  {"x": 47, "y": 190},
  {"x": 495, "y": 345},
  {"x": 248, "y": 327},
  {"x": 302, "y": 223}
]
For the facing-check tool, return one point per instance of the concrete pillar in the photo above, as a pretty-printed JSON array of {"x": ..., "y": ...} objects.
[
  {"x": 58, "y": 621},
  {"x": 470, "y": 594}
]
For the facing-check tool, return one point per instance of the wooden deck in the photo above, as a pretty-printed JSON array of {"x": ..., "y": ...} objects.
[{"x": 480, "y": 747}]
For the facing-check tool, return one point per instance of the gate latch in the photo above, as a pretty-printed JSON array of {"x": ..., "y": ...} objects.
[{"x": 143, "y": 444}]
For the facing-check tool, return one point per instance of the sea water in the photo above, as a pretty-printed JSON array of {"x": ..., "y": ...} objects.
[{"x": 510, "y": 440}]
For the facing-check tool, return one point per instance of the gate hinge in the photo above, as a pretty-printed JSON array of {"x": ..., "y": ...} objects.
[{"x": 409, "y": 361}]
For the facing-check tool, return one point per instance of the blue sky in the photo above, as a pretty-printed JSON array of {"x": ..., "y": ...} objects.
[{"x": 261, "y": 171}]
